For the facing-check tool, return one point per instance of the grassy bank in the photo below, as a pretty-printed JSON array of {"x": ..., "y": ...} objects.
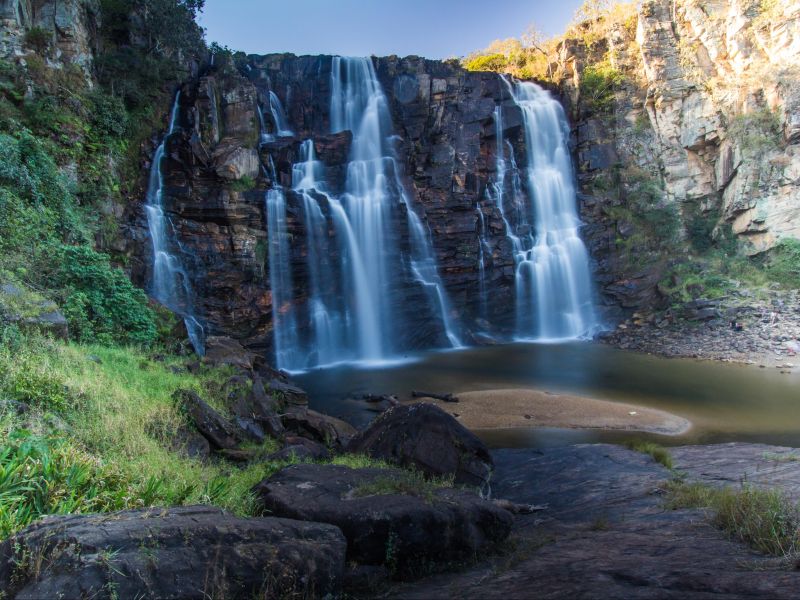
[{"x": 97, "y": 435}]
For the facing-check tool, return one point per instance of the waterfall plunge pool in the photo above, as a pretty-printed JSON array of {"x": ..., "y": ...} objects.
[{"x": 725, "y": 402}]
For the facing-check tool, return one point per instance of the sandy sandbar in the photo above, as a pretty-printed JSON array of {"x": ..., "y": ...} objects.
[{"x": 513, "y": 408}]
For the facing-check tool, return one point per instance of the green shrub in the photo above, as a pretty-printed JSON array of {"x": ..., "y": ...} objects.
[
  {"x": 38, "y": 39},
  {"x": 245, "y": 184},
  {"x": 758, "y": 132},
  {"x": 488, "y": 62},
  {"x": 783, "y": 263},
  {"x": 597, "y": 87},
  {"x": 101, "y": 301}
]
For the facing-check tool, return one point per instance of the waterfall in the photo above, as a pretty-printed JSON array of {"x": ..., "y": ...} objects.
[
  {"x": 483, "y": 251},
  {"x": 284, "y": 321},
  {"x": 326, "y": 313},
  {"x": 554, "y": 298},
  {"x": 280, "y": 122},
  {"x": 170, "y": 283},
  {"x": 372, "y": 189}
]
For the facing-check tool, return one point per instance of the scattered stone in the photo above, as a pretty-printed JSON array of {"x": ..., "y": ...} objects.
[
  {"x": 392, "y": 529},
  {"x": 194, "y": 552},
  {"x": 425, "y": 437}
]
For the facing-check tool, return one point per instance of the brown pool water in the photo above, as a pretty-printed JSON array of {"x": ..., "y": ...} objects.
[{"x": 725, "y": 402}]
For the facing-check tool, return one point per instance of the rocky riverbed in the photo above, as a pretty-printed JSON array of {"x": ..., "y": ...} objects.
[{"x": 769, "y": 333}]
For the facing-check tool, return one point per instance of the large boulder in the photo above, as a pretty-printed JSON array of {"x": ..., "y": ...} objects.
[
  {"x": 425, "y": 437},
  {"x": 189, "y": 552},
  {"x": 381, "y": 524}
]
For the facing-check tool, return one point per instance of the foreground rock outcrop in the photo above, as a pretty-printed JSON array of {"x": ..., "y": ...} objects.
[
  {"x": 385, "y": 521},
  {"x": 180, "y": 553},
  {"x": 607, "y": 534}
]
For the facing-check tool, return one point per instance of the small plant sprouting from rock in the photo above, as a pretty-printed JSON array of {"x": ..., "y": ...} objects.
[{"x": 658, "y": 453}]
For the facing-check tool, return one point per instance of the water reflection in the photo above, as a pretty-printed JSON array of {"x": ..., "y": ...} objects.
[{"x": 724, "y": 402}]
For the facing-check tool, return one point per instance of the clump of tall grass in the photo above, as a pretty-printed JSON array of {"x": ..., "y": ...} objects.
[
  {"x": 656, "y": 452},
  {"x": 766, "y": 519}
]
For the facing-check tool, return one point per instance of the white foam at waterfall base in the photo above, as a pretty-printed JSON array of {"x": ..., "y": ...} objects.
[
  {"x": 170, "y": 283},
  {"x": 554, "y": 296}
]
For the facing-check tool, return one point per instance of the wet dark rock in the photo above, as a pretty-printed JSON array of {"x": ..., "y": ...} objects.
[
  {"x": 391, "y": 529},
  {"x": 319, "y": 427},
  {"x": 190, "y": 442},
  {"x": 287, "y": 392},
  {"x": 425, "y": 437},
  {"x": 187, "y": 553},
  {"x": 220, "y": 433}
]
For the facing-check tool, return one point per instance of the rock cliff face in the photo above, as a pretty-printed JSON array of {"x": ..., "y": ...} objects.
[
  {"x": 691, "y": 137},
  {"x": 71, "y": 24},
  {"x": 703, "y": 121},
  {"x": 217, "y": 173}
]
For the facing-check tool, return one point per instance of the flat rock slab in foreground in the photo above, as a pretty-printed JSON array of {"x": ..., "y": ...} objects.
[
  {"x": 404, "y": 530},
  {"x": 607, "y": 534},
  {"x": 180, "y": 553}
]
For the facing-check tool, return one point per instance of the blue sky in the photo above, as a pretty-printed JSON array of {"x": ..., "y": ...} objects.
[{"x": 431, "y": 28}]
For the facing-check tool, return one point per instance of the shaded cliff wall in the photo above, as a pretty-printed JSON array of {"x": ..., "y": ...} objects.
[{"x": 217, "y": 174}]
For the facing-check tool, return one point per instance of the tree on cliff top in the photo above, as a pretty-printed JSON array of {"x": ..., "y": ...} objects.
[{"x": 146, "y": 42}]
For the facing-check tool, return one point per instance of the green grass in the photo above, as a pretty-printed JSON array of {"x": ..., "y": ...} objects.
[
  {"x": 765, "y": 519},
  {"x": 411, "y": 483},
  {"x": 104, "y": 454},
  {"x": 657, "y": 452},
  {"x": 97, "y": 436},
  {"x": 791, "y": 457}
]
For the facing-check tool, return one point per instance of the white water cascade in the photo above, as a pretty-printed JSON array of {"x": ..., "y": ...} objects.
[
  {"x": 373, "y": 190},
  {"x": 554, "y": 298},
  {"x": 279, "y": 120},
  {"x": 170, "y": 283},
  {"x": 329, "y": 340}
]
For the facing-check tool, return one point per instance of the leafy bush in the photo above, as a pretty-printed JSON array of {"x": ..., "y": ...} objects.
[
  {"x": 488, "y": 62},
  {"x": 100, "y": 300},
  {"x": 758, "y": 132},
  {"x": 597, "y": 87},
  {"x": 245, "y": 184},
  {"x": 38, "y": 39},
  {"x": 783, "y": 263}
]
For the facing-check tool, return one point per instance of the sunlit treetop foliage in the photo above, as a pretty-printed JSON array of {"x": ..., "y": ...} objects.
[{"x": 533, "y": 54}]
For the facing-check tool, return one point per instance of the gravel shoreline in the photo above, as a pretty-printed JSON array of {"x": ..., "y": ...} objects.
[{"x": 701, "y": 329}]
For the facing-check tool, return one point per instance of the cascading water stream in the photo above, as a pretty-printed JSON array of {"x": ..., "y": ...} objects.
[
  {"x": 373, "y": 189},
  {"x": 554, "y": 298},
  {"x": 326, "y": 313},
  {"x": 279, "y": 120},
  {"x": 170, "y": 283}
]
